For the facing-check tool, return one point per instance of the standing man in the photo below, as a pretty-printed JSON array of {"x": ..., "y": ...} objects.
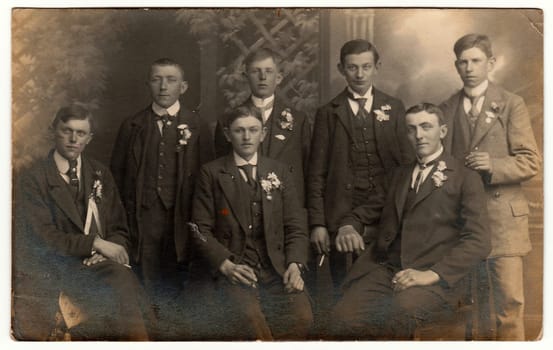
[
  {"x": 490, "y": 129},
  {"x": 252, "y": 235},
  {"x": 72, "y": 231},
  {"x": 431, "y": 233},
  {"x": 156, "y": 156},
  {"x": 288, "y": 131},
  {"x": 358, "y": 138}
]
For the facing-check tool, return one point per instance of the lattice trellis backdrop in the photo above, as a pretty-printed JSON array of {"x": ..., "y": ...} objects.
[{"x": 293, "y": 33}]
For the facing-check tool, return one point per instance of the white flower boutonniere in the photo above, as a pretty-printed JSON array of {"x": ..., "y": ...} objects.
[
  {"x": 184, "y": 135},
  {"x": 286, "y": 120},
  {"x": 381, "y": 114},
  {"x": 270, "y": 183},
  {"x": 439, "y": 177},
  {"x": 492, "y": 113},
  {"x": 97, "y": 187}
]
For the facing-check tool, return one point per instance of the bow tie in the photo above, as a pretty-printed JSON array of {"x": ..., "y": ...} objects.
[
  {"x": 166, "y": 118},
  {"x": 427, "y": 164}
]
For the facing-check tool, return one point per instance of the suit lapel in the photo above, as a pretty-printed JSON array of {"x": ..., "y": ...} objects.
[
  {"x": 485, "y": 122},
  {"x": 378, "y": 101},
  {"x": 428, "y": 185},
  {"x": 142, "y": 127},
  {"x": 185, "y": 117},
  {"x": 403, "y": 188},
  {"x": 341, "y": 109},
  {"x": 88, "y": 175},
  {"x": 61, "y": 195},
  {"x": 267, "y": 205},
  {"x": 276, "y": 146},
  {"x": 228, "y": 180},
  {"x": 461, "y": 129}
]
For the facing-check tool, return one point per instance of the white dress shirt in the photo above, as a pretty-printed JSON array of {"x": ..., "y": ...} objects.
[
  {"x": 239, "y": 161},
  {"x": 63, "y": 166},
  {"x": 354, "y": 105},
  {"x": 426, "y": 170},
  {"x": 262, "y": 103},
  {"x": 171, "y": 111},
  {"x": 474, "y": 92}
]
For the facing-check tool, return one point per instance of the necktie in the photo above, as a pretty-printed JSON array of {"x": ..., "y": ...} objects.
[
  {"x": 473, "y": 113},
  {"x": 165, "y": 119},
  {"x": 362, "y": 112},
  {"x": 248, "y": 169},
  {"x": 419, "y": 179},
  {"x": 72, "y": 173},
  {"x": 265, "y": 108}
]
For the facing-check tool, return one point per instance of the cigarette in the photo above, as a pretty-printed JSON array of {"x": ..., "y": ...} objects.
[
  {"x": 127, "y": 265},
  {"x": 394, "y": 281},
  {"x": 322, "y": 260},
  {"x": 253, "y": 285}
]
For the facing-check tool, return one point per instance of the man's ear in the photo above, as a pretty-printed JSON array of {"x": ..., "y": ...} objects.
[
  {"x": 341, "y": 68},
  {"x": 443, "y": 131},
  {"x": 279, "y": 77},
  {"x": 264, "y": 131},
  {"x": 491, "y": 63},
  {"x": 183, "y": 87},
  {"x": 226, "y": 131},
  {"x": 89, "y": 138}
]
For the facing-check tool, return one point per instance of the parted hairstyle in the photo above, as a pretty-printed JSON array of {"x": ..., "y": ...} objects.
[
  {"x": 428, "y": 108},
  {"x": 241, "y": 112},
  {"x": 469, "y": 41},
  {"x": 74, "y": 111},
  {"x": 357, "y": 46}
]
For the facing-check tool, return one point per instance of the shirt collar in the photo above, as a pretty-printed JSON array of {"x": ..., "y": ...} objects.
[
  {"x": 431, "y": 157},
  {"x": 368, "y": 95},
  {"x": 477, "y": 90},
  {"x": 172, "y": 110},
  {"x": 63, "y": 164},
  {"x": 262, "y": 102},
  {"x": 239, "y": 161}
]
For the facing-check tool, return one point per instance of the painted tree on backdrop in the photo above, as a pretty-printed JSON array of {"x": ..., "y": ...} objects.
[{"x": 58, "y": 57}]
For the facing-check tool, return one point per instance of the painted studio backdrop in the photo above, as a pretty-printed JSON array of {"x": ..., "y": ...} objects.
[{"x": 101, "y": 58}]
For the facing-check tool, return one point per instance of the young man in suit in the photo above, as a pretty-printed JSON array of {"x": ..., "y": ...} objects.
[
  {"x": 252, "y": 235},
  {"x": 358, "y": 137},
  {"x": 74, "y": 238},
  {"x": 490, "y": 129},
  {"x": 288, "y": 130},
  {"x": 156, "y": 156},
  {"x": 431, "y": 233}
]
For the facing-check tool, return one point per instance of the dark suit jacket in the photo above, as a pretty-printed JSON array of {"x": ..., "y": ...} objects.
[
  {"x": 50, "y": 246},
  {"x": 127, "y": 164},
  {"x": 221, "y": 215},
  {"x": 330, "y": 182},
  {"x": 53, "y": 216},
  {"x": 445, "y": 229},
  {"x": 288, "y": 146},
  {"x": 49, "y": 236},
  {"x": 510, "y": 142}
]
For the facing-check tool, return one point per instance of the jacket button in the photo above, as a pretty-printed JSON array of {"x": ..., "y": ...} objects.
[
  {"x": 348, "y": 187},
  {"x": 476, "y": 148},
  {"x": 497, "y": 194},
  {"x": 250, "y": 227},
  {"x": 279, "y": 247}
]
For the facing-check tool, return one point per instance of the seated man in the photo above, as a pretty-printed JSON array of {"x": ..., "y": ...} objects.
[
  {"x": 251, "y": 233},
  {"x": 433, "y": 231},
  {"x": 73, "y": 235}
]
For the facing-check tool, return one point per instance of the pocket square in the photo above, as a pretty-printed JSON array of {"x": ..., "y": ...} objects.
[{"x": 280, "y": 137}]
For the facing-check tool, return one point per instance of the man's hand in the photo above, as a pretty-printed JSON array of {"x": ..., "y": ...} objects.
[
  {"x": 348, "y": 240},
  {"x": 94, "y": 259},
  {"x": 410, "y": 277},
  {"x": 111, "y": 250},
  {"x": 320, "y": 240},
  {"x": 480, "y": 161},
  {"x": 237, "y": 273},
  {"x": 292, "y": 279}
]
